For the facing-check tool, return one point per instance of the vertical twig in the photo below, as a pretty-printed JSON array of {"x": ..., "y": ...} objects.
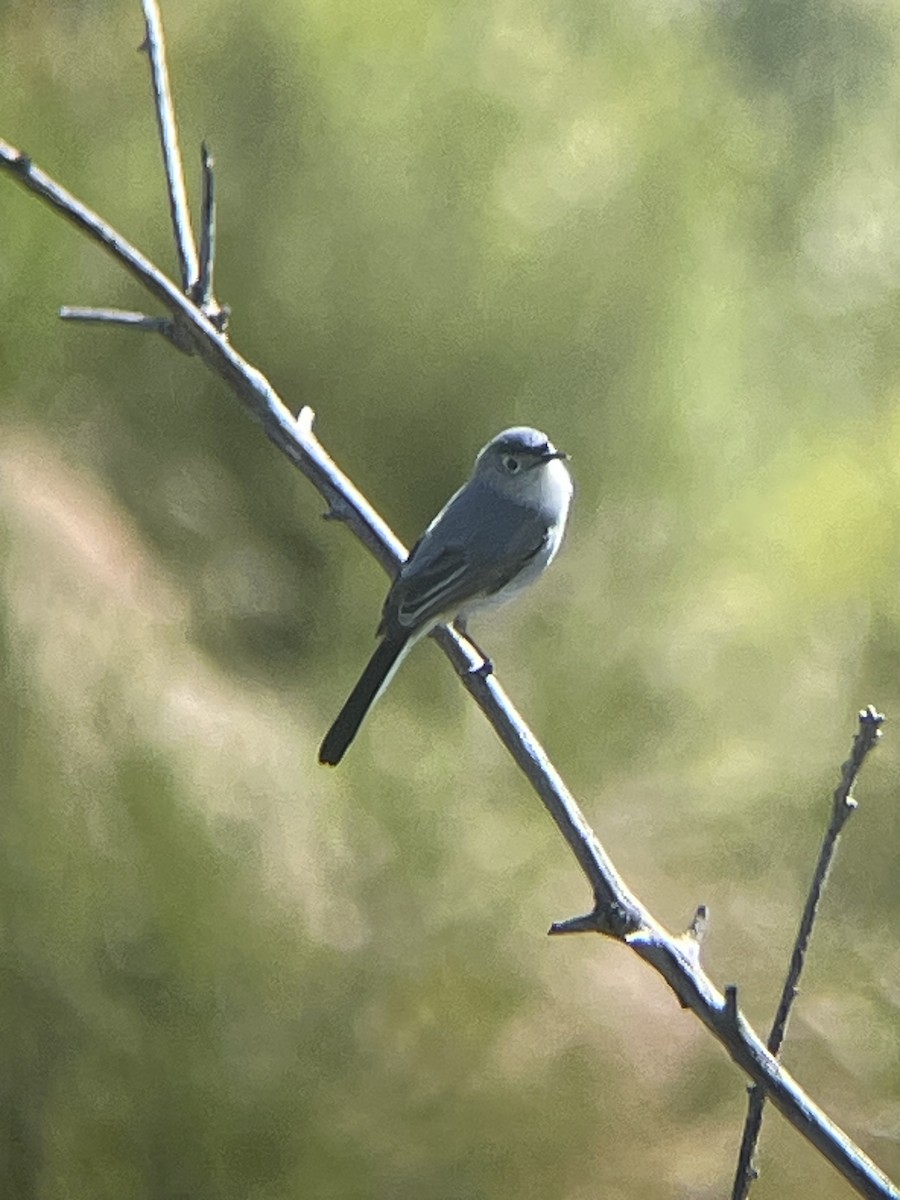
[
  {"x": 204, "y": 292},
  {"x": 196, "y": 277},
  {"x": 843, "y": 804},
  {"x": 207, "y": 229},
  {"x": 154, "y": 44}
]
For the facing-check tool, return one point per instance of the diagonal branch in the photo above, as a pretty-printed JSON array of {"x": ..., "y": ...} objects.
[{"x": 842, "y": 806}]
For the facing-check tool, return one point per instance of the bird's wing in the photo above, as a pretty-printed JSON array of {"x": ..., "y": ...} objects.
[{"x": 457, "y": 559}]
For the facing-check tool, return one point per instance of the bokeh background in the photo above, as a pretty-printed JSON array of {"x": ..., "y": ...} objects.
[{"x": 669, "y": 234}]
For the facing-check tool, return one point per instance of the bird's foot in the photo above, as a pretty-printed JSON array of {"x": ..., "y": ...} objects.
[{"x": 485, "y": 667}]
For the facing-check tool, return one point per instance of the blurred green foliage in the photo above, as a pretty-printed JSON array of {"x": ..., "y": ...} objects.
[{"x": 669, "y": 235}]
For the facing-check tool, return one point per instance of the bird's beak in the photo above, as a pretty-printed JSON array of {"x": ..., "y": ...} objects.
[{"x": 549, "y": 456}]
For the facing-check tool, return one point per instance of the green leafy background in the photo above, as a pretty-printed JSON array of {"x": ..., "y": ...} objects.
[{"x": 668, "y": 234}]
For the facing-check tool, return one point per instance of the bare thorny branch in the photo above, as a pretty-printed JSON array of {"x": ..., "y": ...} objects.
[
  {"x": 197, "y": 324},
  {"x": 842, "y": 806}
]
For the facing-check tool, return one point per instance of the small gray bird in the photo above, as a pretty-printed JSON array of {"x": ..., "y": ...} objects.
[{"x": 489, "y": 541}]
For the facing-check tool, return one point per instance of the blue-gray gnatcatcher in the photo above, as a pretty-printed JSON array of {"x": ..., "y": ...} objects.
[{"x": 491, "y": 539}]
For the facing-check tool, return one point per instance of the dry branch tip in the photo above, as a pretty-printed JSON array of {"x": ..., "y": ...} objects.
[
  {"x": 304, "y": 421},
  {"x": 699, "y": 926},
  {"x": 588, "y": 923}
]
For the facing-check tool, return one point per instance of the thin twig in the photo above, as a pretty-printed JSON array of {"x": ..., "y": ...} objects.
[
  {"x": 171, "y": 330},
  {"x": 154, "y": 44},
  {"x": 616, "y": 911},
  {"x": 204, "y": 289},
  {"x": 115, "y": 316},
  {"x": 842, "y": 805}
]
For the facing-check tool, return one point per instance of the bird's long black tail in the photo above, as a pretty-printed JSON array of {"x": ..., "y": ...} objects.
[{"x": 371, "y": 683}]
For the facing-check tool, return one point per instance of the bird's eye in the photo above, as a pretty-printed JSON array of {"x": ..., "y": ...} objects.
[{"x": 511, "y": 463}]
